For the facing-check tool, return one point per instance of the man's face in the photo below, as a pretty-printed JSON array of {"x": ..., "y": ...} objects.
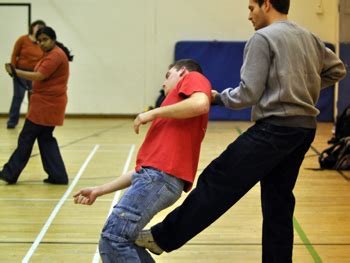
[
  {"x": 172, "y": 77},
  {"x": 257, "y": 14}
]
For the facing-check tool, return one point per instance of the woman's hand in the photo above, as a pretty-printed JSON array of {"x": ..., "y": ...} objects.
[{"x": 8, "y": 69}]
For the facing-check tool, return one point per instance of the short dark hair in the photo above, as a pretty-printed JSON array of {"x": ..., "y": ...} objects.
[
  {"x": 37, "y": 22},
  {"x": 281, "y": 6},
  {"x": 189, "y": 64}
]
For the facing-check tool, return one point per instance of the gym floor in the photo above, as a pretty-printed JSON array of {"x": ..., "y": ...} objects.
[{"x": 40, "y": 222}]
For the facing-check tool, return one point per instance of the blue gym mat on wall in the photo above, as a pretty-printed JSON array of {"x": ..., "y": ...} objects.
[
  {"x": 344, "y": 85},
  {"x": 221, "y": 62}
]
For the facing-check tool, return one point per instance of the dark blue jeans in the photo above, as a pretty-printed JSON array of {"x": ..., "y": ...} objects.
[
  {"x": 49, "y": 152},
  {"x": 19, "y": 89},
  {"x": 266, "y": 153}
]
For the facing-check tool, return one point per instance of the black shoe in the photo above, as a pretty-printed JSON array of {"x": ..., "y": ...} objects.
[
  {"x": 49, "y": 181},
  {"x": 333, "y": 140},
  {"x": 5, "y": 178},
  {"x": 11, "y": 126}
]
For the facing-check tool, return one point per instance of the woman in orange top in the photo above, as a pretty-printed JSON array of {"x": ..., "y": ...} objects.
[
  {"x": 46, "y": 110},
  {"x": 25, "y": 55}
]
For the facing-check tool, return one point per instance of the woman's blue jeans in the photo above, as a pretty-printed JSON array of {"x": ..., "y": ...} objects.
[
  {"x": 151, "y": 191},
  {"x": 19, "y": 88}
]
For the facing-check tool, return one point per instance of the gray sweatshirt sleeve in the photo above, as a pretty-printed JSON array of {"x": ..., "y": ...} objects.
[
  {"x": 333, "y": 69},
  {"x": 254, "y": 73}
]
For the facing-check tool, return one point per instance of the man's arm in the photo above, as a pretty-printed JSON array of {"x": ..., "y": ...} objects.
[
  {"x": 197, "y": 104},
  {"x": 254, "y": 74},
  {"x": 87, "y": 196},
  {"x": 333, "y": 69}
]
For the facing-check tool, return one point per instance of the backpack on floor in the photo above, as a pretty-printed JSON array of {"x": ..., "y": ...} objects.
[
  {"x": 337, "y": 156},
  {"x": 342, "y": 126}
]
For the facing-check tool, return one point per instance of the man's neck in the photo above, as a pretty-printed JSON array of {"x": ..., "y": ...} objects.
[{"x": 277, "y": 17}]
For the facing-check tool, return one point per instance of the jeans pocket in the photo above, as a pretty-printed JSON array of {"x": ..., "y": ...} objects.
[
  {"x": 144, "y": 174},
  {"x": 122, "y": 226},
  {"x": 167, "y": 196}
]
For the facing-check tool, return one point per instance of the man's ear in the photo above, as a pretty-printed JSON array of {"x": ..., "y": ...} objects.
[
  {"x": 183, "y": 70},
  {"x": 267, "y": 5}
]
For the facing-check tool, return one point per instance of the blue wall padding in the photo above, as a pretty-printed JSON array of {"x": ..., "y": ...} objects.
[
  {"x": 221, "y": 62},
  {"x": 344, "y": 85}
]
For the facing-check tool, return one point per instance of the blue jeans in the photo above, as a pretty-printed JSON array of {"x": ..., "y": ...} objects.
[
  {"x": 151, "y": 191},
  {"x": 267, "y": 153},
  {"x": 19, "y": 89}
]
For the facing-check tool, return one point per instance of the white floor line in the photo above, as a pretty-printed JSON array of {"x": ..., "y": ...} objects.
[
  {"x": 58, "y": 207},
  {"x": 96, "y": 258},
  {"x": 44, "y": 199}
]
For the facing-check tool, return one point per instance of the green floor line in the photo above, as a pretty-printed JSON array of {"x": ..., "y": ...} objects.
[
  {"x": 239, "y": 130},
  {"x": 300, "y": 231},
  {"x": 306, "y": 241}
]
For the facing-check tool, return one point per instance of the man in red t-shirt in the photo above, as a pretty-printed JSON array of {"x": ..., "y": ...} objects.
[{"x": 166, "y": 163}]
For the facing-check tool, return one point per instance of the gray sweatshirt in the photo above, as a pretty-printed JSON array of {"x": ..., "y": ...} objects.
[{"x": 284, "y": 69}]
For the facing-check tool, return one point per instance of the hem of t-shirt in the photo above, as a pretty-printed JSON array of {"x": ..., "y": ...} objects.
[{"x": 188, "y": 185}]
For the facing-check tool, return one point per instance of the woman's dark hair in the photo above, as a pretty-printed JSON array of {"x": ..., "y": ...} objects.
[
  {"x": 37, "y": 22},
  {"x": 52, "y": 34},
  {"x": 281, "y": 6}
]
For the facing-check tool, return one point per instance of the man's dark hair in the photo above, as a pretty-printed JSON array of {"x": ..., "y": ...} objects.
[
  {"x": 37, "y": 22},
  {"x": 281, "y": 6},
  {"x": 189, "y": 64}
]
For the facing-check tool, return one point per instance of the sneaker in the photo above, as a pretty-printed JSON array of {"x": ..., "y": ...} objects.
[
  {"x": 11, "y": 126},
  {"x": 145, "y": 239}
]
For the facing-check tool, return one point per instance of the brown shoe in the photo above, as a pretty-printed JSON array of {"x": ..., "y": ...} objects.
[{"x": 145, "y": 239}]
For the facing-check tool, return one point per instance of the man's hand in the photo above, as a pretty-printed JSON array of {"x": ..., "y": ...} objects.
[
  {"x": 86, "y": 196},
  {"x": 214, "y": 93},
  {"x": 143, "y": 118}
]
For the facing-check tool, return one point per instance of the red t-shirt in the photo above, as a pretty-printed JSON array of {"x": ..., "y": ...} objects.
[
  {"x": 49, "y": 98},
  {"x": 173, "y": 145}
]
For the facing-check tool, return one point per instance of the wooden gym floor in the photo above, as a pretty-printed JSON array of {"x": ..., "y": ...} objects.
[{"x": 40, "y": 223}]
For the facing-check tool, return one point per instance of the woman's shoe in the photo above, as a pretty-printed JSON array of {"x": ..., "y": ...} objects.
[{"x": 48, "y": 181}]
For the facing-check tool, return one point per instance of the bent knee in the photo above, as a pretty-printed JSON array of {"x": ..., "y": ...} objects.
[{"x": 122, "y": 226}]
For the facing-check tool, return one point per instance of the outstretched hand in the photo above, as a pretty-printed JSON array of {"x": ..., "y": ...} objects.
[{"x": 86, "y": 196}]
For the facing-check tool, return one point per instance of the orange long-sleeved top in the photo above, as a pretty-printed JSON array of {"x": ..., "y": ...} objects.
[{"x": 26, "y": 53}]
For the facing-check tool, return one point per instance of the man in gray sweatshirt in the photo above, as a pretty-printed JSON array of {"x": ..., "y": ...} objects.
[{"x": 284, "y": 69}]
